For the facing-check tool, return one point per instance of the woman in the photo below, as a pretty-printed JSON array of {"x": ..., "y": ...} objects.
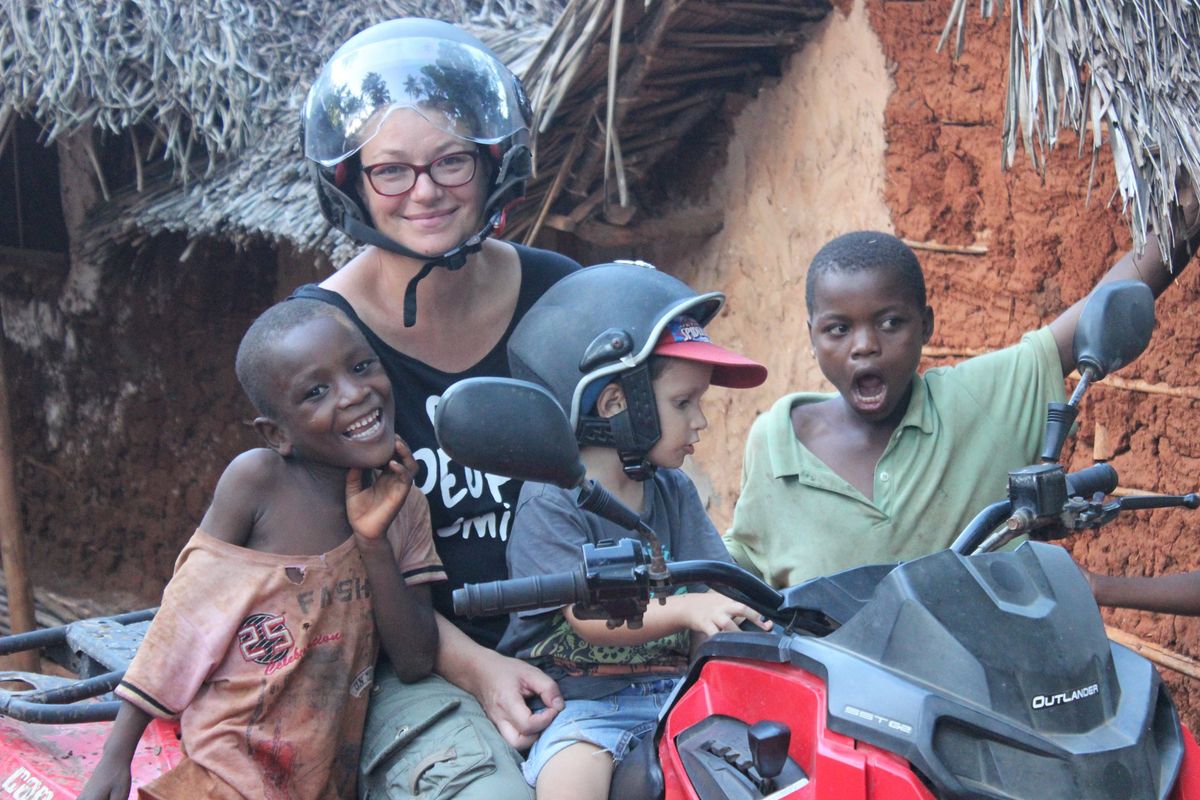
[{"x": 416, "y": 137}]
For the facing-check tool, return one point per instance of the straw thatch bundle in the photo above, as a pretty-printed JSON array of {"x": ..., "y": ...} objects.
[
  {"x": 204, "y": 77},
  {"x": 620, "y": 88},
  {"x": 1132, "y": 66},
  {"x": 207, "y": 95}
]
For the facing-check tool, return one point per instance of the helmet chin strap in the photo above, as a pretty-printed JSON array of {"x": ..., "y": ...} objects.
[
  {"x": 453, "y": 260},
  {"x": 632, "y": 432}
]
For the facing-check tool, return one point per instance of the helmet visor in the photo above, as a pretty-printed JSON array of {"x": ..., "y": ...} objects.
[{"x": 457, "y": 88}]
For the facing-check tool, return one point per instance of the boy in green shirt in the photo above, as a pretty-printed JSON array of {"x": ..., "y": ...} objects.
[{"x": 896, "y": 463}]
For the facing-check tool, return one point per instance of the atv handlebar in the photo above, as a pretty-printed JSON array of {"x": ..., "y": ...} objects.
[
  {"x": 615, "y": 580},
  {"x": 54, "y": 700},
  {"x": 1100, "y": 478},
  {"x": 1047, "y": 504},
  {"x": 521, "y": 594},
  {"x": 611, "y": 574}
]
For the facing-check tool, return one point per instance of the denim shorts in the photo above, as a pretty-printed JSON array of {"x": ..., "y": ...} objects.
[{"x": 612, "y": 723}]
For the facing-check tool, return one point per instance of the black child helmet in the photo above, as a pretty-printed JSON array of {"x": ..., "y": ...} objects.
[
  {"x": 448, "y": 77},
  {"x": 603, "y": 323}
]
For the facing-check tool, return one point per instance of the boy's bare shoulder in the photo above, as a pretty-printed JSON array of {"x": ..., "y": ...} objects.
[
  {"x": 255, "y": 470},
  {"x": 249, "y": 480},
  {"x": 811, "y": 421}
]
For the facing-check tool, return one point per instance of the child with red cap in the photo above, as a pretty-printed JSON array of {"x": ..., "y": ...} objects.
[{"x": 623, "y": 348}]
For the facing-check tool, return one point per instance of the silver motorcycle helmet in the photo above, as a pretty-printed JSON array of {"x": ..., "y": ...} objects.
[
  {"x": 454, "y": 82},
  {"x": 603, "y": 324}
]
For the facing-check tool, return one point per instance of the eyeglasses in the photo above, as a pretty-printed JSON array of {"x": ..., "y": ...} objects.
[{"x": 394, "y": 178}]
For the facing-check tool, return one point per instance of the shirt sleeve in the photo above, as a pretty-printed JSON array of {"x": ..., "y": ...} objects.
[
  {"x": 411, "y": 537},
  {"x": 697, "y": 537},
  {"x": 187, "y": 639},
  {"x": 1011, "y": 387}
]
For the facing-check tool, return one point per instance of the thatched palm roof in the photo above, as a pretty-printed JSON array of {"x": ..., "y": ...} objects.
[
  {"x": 1131, "y": 66},
  {"x": 207, "y": 95},
  {"x": 611, "y": 107}
]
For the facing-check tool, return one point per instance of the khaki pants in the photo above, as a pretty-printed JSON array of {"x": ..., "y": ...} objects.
[{"x": 432, "y": 740}]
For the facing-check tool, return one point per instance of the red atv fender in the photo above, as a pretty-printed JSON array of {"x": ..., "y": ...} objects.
[
  {"x": 837, "y": 767},
  {"x": 1187, "y": 787},
  {"x": 53, "y": 762}
]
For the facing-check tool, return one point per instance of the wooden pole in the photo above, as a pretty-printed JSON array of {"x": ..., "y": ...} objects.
[
  {"x": 12, "y": 537},
  {"x": 1153, "y": 652}
]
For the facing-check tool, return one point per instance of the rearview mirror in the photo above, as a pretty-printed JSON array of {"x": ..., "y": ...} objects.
[
  {"x": 508, "y": 427},
  {"x": 1114, "y": 327}
]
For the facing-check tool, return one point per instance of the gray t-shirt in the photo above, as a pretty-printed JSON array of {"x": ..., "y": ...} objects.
[{"x": 548, "y": 535}]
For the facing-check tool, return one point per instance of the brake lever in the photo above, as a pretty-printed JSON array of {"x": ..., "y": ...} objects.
[
  {"x": 1097, "y": 513},
  {"x": 1137, "y": 502},
  {"x": 614, "y": 611}
]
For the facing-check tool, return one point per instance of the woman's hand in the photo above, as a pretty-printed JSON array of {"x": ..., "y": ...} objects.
[
  {"x": 504, "y": 689},
  {"x": 371, "y": 509},
  {"x": 502, "y": 685}
]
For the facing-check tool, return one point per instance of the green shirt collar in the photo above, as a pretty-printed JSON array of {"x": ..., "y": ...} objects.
[{"x": 788, "y": 457}]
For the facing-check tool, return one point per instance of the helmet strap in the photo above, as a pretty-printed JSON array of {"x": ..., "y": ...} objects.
[
  {"x": 595, "y": 432},
  {"x": 511, "y": 174},
  {"x": 636, "y": 430},
  {"x": 633, "y": 459},
  {"x": 453, "y": 260}
]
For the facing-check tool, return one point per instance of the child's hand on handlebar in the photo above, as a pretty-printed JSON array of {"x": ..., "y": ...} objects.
[{"x": 712, "y": 612}]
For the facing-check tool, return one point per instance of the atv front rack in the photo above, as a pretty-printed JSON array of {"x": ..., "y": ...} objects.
[{"x": 98, "y": 650}]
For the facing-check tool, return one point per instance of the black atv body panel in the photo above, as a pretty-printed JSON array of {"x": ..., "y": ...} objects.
[{"x": 991, "y": 674}]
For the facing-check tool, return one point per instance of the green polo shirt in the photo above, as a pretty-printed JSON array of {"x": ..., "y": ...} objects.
[{"x": 966, "y": 426}]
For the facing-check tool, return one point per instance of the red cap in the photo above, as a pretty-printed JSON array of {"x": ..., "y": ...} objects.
[{"x": 685, "y": 338}]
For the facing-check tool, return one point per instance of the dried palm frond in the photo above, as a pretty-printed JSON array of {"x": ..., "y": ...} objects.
[
  {"x": 206, "y": 77},
  {"x": 1131, "y": 66},
  {"x": 218, "y": 85}
]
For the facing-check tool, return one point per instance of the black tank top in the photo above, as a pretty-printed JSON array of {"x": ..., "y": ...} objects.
[{"x": 471, "y": 511}]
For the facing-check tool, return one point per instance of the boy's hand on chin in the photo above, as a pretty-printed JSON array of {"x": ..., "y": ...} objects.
[{"x": 371, "y": 509}]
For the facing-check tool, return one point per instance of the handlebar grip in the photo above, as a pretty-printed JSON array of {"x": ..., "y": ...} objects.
[
  {"x": 1096, "y": 478},
  {"x": 521, "y": 594}
]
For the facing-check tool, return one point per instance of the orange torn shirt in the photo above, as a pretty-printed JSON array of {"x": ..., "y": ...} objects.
[{"x": 268, "y": 661}]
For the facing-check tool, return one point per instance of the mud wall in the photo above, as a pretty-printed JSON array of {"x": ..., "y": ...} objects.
[
  {"x": 1047, "y": 244},
  {"x": 125, "y": 409},
  {"x": 871, "y": 127},
  {"x": 804, "y": 163}
]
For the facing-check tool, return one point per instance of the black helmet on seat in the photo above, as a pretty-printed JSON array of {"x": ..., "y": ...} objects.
[
  {"x": 603, "y": 323},
  {"x": 448, "y": 77}
]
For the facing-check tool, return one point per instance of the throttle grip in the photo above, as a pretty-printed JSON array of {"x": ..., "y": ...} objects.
[
  {"x": 1096, "y": 478},
  {"x": 521, "y": 594}
]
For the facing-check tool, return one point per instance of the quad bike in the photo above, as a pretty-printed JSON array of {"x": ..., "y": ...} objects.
[
  {"x": 52, "y": 728},
  {"x": 969, "y": 673},
  {"x": 950, "y": 676}
]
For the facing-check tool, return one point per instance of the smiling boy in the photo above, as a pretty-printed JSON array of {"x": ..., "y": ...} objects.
[
  {"x": 896, "y": 463},
  {"x": 266, "y": 640}
]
